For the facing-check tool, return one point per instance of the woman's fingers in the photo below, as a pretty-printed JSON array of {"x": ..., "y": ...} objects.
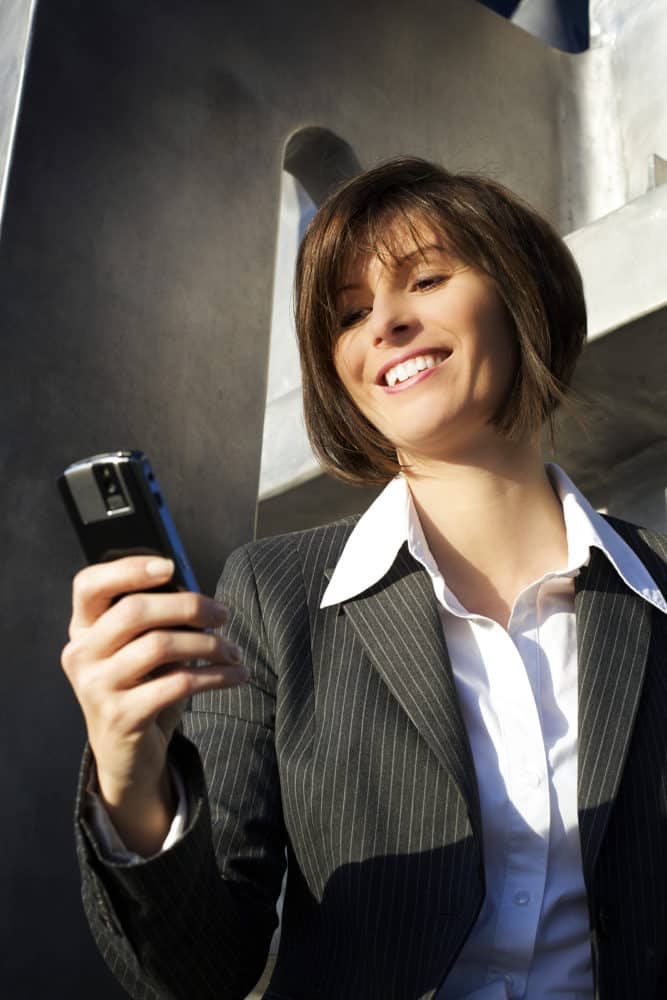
[
  {"x": 137, "y": 659},
  {"x": 140, "y": 634},
  {"x": 129, "y": 661},
  {"x": 140, "y": 705},
  {"x": 131, "y": 652},
  {"x": 96, "y": 587},
  {"x": 135, "y": 614}
]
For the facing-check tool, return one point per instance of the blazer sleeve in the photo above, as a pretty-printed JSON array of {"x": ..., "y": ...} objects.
[{"x": 195, "y": 922}]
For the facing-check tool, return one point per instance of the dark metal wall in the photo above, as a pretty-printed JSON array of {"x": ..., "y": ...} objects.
[{"x": 136, "y": 263}]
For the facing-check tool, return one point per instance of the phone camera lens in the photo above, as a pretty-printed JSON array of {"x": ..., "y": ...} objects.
[{"x": 111, "y": 489}]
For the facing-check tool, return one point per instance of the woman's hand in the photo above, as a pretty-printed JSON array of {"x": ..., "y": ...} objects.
[{"x": 129, "y": 663}]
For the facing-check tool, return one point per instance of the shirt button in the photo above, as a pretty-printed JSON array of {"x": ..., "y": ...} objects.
[{"x": 521, "y": 898}]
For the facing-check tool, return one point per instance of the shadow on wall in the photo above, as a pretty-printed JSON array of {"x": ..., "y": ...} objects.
[
  {"x": 320, "y": 161},
  {"x": 315, "y": 161}
]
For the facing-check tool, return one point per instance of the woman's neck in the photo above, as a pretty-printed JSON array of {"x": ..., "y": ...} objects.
[{"x": 494, "y": 524}]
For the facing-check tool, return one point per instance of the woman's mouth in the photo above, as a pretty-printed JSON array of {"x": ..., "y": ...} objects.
[{"x": 407, "y": 371}]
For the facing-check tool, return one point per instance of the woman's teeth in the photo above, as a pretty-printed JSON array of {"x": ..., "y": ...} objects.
[{"x": 412, "y": 367}]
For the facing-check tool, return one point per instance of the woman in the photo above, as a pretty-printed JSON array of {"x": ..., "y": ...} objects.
[{"x": 447, "y": 715}]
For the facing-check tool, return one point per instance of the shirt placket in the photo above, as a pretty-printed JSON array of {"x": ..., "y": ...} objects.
[{"x": 514, "y": 679}]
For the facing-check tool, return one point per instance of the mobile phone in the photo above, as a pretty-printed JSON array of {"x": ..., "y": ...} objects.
[{"x": 118, "y": 509}]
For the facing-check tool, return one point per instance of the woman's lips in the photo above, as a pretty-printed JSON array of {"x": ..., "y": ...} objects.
[{"x": 390, "y": 379}]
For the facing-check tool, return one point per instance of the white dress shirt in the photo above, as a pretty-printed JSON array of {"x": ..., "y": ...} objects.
[{"x": 518, "y": 694}]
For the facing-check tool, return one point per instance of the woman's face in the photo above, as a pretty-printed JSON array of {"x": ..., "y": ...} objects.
[{"x": 426, "y": 349}]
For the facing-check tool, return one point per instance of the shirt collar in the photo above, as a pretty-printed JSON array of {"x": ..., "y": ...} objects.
[
  {"x": 586, "y": 528},
  {"x": 392, "y": 520},
  {"x": 372, "y": 547}
]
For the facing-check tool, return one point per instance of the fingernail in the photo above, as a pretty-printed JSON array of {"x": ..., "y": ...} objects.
[
  {"x": 160, "y": 567},
  {"x": 235, "y": 653},
  {"x": 221, "y": 613}
]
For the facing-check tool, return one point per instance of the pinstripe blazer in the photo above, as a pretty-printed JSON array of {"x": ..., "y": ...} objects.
[{"x": 347, "y": 754}]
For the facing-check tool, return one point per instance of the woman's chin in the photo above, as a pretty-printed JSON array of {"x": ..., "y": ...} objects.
[{"x": 455, "y": 444}]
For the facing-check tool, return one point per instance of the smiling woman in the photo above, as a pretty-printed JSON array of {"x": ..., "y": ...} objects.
[
  {"x": 450, "y": 714},
  {"x": 426, "y": 350},
  {"x": 416, "y": 220}
]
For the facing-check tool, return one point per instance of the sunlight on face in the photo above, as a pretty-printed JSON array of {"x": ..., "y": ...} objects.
[{"x": 426, "y": 349}]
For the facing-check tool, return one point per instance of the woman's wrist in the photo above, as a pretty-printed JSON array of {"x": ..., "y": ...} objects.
[{"x": 141, "y": 815}]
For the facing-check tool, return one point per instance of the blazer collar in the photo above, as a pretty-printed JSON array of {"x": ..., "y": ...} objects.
[
  {"x": 398, "y": 622},
  {"x": 392, "y": 520},
  {"x": 613, "y": 638},
  {"x": 393, "y": 608}
]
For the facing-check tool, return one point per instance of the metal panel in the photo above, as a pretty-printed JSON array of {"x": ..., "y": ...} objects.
[
  {"x": 635, "y": 32},
  {"x": 136, "y": 267},
  {"x": 15, "y": 26}
]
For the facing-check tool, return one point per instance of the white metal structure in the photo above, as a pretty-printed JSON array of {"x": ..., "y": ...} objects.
[{"x": 614, "y": 217}]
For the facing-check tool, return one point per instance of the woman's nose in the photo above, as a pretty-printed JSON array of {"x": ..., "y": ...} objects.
[{"x": 392, "y": 318}]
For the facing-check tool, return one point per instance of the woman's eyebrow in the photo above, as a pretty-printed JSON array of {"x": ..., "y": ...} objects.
[
  {"x": 398, "y": 261},
  {"x": 421, "y": 251}
]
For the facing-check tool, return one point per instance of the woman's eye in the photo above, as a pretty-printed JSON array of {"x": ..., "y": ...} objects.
[
  {"x": 428, "y": 281},
  {"x": 353, "y": 316}
]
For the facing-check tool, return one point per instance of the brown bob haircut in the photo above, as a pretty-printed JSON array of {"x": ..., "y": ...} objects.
[{"x": 486, "y": 227}]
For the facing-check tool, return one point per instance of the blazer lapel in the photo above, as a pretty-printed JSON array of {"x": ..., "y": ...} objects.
[
  {"x": 613, "y": 636},
  {"x": 399, "y": 624}
]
